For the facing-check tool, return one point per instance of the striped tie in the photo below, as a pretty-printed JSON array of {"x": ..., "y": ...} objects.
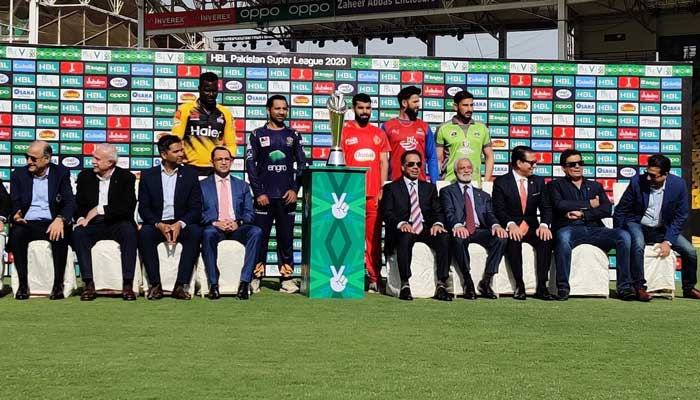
[{"x": 416, "y": 215}]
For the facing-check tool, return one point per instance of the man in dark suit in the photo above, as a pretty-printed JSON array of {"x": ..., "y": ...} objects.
[
  {"x": 227, "y": 213},
  {"x": 42, "y": 209},
  {"x": 654, "y": 209},
  {"x": 170, "y": 206},
  {"x": 469, "y": 214},
  {"x": 106, "y": 201},
  {"x": 579, "y": 207},
  {"x": 412, "y": 213},
  {"x": 517, "y": 197}
]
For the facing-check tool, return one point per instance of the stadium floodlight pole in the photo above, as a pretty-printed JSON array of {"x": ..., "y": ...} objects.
[
  {"x": 12, "y": 14},
  {"x": 33, "y": 22},
  {"x": 562, "y": 30},
  {"x": 141, "y": 29}
]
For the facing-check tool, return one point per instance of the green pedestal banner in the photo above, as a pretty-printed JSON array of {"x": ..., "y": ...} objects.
[{"x": 333, "y": 233}]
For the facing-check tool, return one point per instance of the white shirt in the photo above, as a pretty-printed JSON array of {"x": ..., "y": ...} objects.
[
  {"x": 217, "y": 181},
  {"x": 103, "y": 197},
  {"x": 168, "y": 183},
  {"x": 410, "y": 187}
]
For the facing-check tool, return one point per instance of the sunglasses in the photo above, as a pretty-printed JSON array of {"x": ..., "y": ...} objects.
[
  {"x": 34, "y": 159},
  {"x": 532, "y": 163},
  {"x": 652, "y": 176},
  {"x": 574, "y": 164},
  {"x": 411, "y": 164}
]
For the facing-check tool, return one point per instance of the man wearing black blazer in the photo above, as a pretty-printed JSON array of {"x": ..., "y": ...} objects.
[
  {"x": 106, "y": 201},
  {"x": 412, "y": 213},
  {"x": 170, "y": 206},
  {"x": 42, "y": 208},
  {"x": 517, "y": 197},
  {"x": 470, "y": 216}
]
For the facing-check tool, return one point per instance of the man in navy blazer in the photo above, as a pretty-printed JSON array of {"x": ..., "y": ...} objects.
[
  {"x": 469, "y": 214},
  {"x": 42, "y": 209},
  {"x": 170, "y": 206},
  {"x": 654, "y": 209},
  {"x": 227, "y": 213}
]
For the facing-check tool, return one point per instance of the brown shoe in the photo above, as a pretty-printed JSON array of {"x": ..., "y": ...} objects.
[
  {"x": 128, "y": 293},
  {"x": 89, "y": 293},
  {"x": 179, "y": 293},
  {"x": 155, "y": 292},
  {"x": 642, "y": 295},
  {"x": 691, "y": 293}
]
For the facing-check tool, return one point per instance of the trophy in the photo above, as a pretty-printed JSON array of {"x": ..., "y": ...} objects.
[{"x": 336, "y": 110}]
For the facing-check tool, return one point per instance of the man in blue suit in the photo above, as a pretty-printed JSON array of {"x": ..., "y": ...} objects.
[
  {"x": 654, "y": 209},
  {"x": 42, "y": 209},
  {"x": 227, "y": 213},
  {"x": 170, "y": 206},
  {"x": 470, "y": 216}
]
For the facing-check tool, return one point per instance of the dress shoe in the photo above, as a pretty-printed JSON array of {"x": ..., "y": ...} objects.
[
  {"x": 243, "y": 291},
  {"x": 57, "y": 293},
  {"x": 441, "y": 294},
  {"x": 469, "y": 292},
  {"x": 543, "y": 294},
  {"x": 179, "y": 292},
  {"x": 519, "y": 293},
  {"x": 22, "y": 294},
  {"x": 642, "y": 295},
  {"x": 289, "y": 286},
  {"x": 485, "y": 290},
  {"x": 627, "y": 294},
  {"x": 405, "y": 293},
  {"x": 214, "y": 293},
  {"x": 128, "y": 294},
  {"x": 155, "y": 292},
  {"x": 562, "y": 295},
  {"x": 89, "y": 293},
  {"x": 691, "y": 293}
]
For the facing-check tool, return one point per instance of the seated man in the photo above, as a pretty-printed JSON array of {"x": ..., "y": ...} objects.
[
  {"x": 412, "y": 213},
  {"x": 170, "y": 215},
  {"x": 469, "y": 214},
  {"x": 579, "y": 207},
  {"x": 42, "y": 209},
  {"x": 654, "y": 209},
  {"x": 106, "y": 200},
  {"x": 227, "y": 213}
]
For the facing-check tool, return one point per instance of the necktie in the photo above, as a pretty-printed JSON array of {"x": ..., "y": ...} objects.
[
  {"x": 523, "y": 195},
  {"x": 469, "y": 211},
  {"x": 416, "y": 215},
  {"x": 224, "y": 201}
]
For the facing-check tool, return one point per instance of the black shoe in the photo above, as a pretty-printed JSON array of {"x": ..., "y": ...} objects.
[
  {"x": 243, "y": 291},
  {"x": 22, "y": 293},
  {"x": 562, "y": 295},
  {"x": 155, "y": 292},
  {"x": 57, "y": 293},
  {"x": 441, "y": 294},
  {"x": 405, "y": 294},
  {"x": 469, "y": 292},
  {"x": 627, "y": 294},
  {"x": 519, "y": 293},
  {"x": 89, "y": 293},
  {"x": 214, "y": 293},
  {"x": 485, "y": 290},
  {"x": 543, "y": 294}
]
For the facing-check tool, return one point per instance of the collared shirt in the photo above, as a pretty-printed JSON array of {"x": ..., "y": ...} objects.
[
  {"x": 103, "y": 198},
  {"x": 470, "y": 193},
  {"x": 652, "y": 215},
  {"x": 218, "y": 180},
  {"x": 410, "y": 187},
  {"x": 168, "y": 182},
  {"x": 39, "y": 209},
  {"x": 518, "y": 178}
]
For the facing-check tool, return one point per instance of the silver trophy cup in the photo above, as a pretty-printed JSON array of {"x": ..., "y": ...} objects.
[{"x": 336, "y": 111}]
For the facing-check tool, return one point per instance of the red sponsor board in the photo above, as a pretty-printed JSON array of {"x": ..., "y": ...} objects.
[
  {"x": 650, "y": 96},
  {"x": 88, "y": 148},
  {"x": 324, "y": 87},
  {"x": 118, "y": 136},
  {"x": 5, "y": 119},
  {"x": 433, "y": 91},
  {"x": 190, "y": 19},
  {"x": 520, "y": 131},
  {"x": 71, "y": 121},
  {"x": 190, "y": 71},
  {"x": 320, "y": 153},
  {"x": 118, "y": 122},
  {"x": 607, "y": 183},
  {"x": 238, "y": 125},
  {"x": 561, "y": 145},
  {"x": 95, "y": 82},
  {"x": 564, "y": 132},
  {"x": 5, "y": 134},
  {"x": 302, "y": 126},
  {"x": 240, "y": 137},
  {"x": 544, "y": 158},
  {"x": 302, "y": 74},
  {"x": 542, "y": 93},
  {"x": 644, "y": 159},
  {"x": 520, "y": 80},
  {"x": 628, "y": 82},
  {"x": 411, "y": 77},
  {"x": 628, "y": 133},
  {"x": 71, "y": 67}
]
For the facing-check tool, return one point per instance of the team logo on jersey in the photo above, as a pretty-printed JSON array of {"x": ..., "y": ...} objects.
[
  {"x": 420, "y": 132},
  {"x": 277, "y": 156},
  {"x": 265, "y": 141},
  {"x": 194, "y": 115},
  {"x": 352, "y": 140},
  {"x": 394, "y": 131},
  {"x": 220, "y": 119},
  {"x": 377, "y": 140},
  {"x": 410, "y": 143},
  {"x": 454, "y": 134},
  {"x": 290, "y": 141}
]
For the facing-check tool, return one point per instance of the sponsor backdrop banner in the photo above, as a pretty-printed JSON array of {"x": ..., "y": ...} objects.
[{"x": 616, "y": 114}]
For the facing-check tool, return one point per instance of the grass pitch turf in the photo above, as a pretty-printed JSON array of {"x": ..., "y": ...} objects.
[{"x": 279, "y": 346}]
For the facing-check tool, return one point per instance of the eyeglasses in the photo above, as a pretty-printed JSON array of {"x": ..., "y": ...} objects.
[
  {"x": 411, "y": 164},
  {"x": 532, "y": 163},
  {"x": 574, "y": 164},
  {"x": 652, "y": 176},
  {"x": 34, "y": 159},
  {"x": 222, "y": 159}
]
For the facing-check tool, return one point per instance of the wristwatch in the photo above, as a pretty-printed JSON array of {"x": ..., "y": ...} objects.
[{"x": 61, "y": 217}]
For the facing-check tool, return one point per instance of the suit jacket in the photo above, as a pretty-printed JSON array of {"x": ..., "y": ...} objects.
[
  {"x": 565, "y": 198},
  {"x": 396, "y": 207},
  {"x": 452, "y": 200},
  {"x": 61, "y": 199},
  {"x": 506, "y": 201},
  {"x": 188, "y": 196},
  {"x": 240, "y": 196},
  {"x": 675, "y": 206},
  {"x": 121, "y": 197},
  {"x": 5, "y": 202}
]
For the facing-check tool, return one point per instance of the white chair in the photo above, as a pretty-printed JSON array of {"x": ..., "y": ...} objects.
[
  {"x": 477, "y": 264},
  {"x": 230, "y": 257},
  {"x": 423, "y": 279},
  {"x": 504, "y": 280},
  {"x": 589, "y": 274},
  {"x": 40, "y": 270},
  {"x": 169, "y": 263},
  {"x": 660, "y": 273},
  {"x": 107, "y": 268}
]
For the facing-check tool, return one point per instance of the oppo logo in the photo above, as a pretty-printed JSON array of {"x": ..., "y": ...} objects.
[
  {"x": 118, "y": 82},
  {"x": 309, "y": 9},
  {"x": 255, "y": 13}
]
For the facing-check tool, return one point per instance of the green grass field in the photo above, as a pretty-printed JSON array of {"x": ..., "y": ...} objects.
[{"x": 279, "y": 346}]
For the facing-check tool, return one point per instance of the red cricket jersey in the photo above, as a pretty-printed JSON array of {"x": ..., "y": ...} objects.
[
  {"x": 362, "y": 147},
  {"x": 403, "y": 136}
]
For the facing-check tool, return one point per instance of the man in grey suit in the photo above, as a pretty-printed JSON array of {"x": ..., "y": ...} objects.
[{"x": 470, "y": 216}]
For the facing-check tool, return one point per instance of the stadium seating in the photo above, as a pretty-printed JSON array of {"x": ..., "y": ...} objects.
[
  {"x": 40, "y": 270},
  {"x": 169, "y": 260},
  {"x": 230, "y": 263}
]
